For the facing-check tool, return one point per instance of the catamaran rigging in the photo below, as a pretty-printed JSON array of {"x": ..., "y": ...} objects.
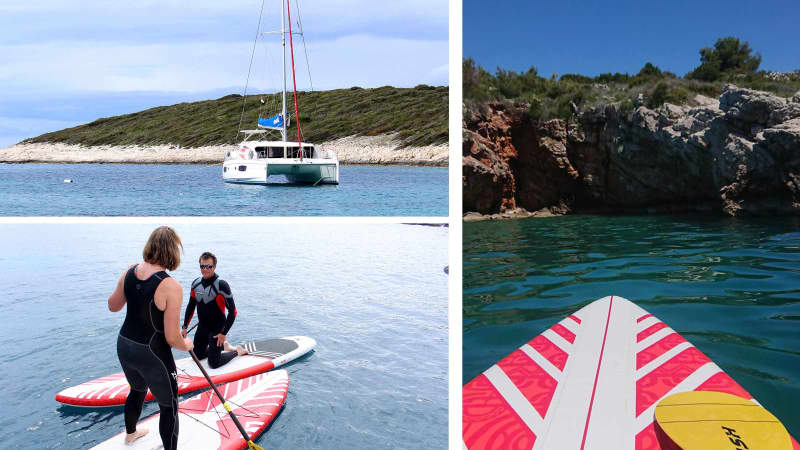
[{"x": 298, "y": 162}]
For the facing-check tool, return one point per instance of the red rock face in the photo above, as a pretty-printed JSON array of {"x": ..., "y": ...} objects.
[
  {"x": 487, "y": 152},
  {"x": 666, "y": 160}
]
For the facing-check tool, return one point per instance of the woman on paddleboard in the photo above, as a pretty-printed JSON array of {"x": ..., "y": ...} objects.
[{"x": 149, "y": 330}]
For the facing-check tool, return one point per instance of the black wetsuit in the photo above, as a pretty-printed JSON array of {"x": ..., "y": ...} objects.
[
  {"x": 146, "y": 357},
  {"x": 211, "y": 297}
]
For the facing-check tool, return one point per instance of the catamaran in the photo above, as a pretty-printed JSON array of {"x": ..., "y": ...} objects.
[{"x": 299, "y": 162}]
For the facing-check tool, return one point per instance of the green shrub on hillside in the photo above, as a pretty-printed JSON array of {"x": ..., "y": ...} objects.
[
  {"x": 730, "y": 61},
  {"x": 419, "y": 116},
  {"x": 729, "y": 56}
]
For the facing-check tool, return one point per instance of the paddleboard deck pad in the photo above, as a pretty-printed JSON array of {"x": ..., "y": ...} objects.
[
  {"x": 591, "y": 381},
  {"x": 112, "y": 390},
  {"x": 204, "y": 422}
]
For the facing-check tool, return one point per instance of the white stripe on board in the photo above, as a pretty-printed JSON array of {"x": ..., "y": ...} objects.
[
  {"x": 557, "y": 340},
  {"x": 256, "y": 405},
  {"x": 653, "y": 338},
  {"x": 514, "y": 397},
  {"x": 661, "y": 359},
  {"x": 646, "y": 323},
  {"x": 121, "y": 388},
  {"x": 566, "y": 415},
  {"x": 614, "y": 382},
  {"x": 690, "y": 383},
  {"x": 542, "y": 362},
  {"x": 570, "y": 324}
]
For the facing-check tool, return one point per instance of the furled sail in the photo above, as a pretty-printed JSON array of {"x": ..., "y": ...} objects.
[{"x": 273, "y": 123}]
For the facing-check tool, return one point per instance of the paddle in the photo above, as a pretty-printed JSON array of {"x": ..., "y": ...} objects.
[{"x": 250, "y": 444}]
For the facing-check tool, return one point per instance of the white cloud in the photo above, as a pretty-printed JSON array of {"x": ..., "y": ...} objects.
[
  {"x": 359, "y": 60},
  {"x": 232, "y": 19},
  {"x": 73, "y": 50}
]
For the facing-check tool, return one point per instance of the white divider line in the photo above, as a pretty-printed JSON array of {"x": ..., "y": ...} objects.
[
  {"x": 256, "y": 405},
  {"x": 121, "y": 388},
  {"x": 661, "y": 359},
  {"x": 571, "y": 325},
  {"x": 690, "y": 383},
  {"x": 646, "y": 323},
  {"x": 653, "y": 338},
  {"x": 557, "y": 340},
  {"x": 514, "y": 397},
  {"x": 542, "y": 362}
]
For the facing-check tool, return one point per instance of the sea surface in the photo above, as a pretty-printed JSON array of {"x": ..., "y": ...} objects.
[
  {"x": 373, "y": 296},
  {"x": 198, "y": 190},
  {"x": 730, "y": 286}
]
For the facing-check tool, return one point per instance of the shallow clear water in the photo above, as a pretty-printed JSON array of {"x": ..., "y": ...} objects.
[
  {"x": 373, "y": 296},
  {"x": 731, "y": 287},
  {"x": 198, "y": 190}
]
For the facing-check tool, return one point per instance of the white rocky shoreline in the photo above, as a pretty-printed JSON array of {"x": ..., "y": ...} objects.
[{"x": 378, "y": 150}]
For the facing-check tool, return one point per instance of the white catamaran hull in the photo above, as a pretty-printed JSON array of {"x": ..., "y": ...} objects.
[{"x": 306, "y": 171}]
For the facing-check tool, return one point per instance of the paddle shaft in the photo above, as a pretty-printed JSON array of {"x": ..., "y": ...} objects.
[{"x": 224, "y": 402}]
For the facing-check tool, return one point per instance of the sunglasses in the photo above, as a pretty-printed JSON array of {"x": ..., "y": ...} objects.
[{"x": 206, "y": 266}]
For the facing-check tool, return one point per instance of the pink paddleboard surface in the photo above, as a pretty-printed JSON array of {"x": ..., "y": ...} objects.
[
  {"x": 112, "y": 390},
  {"x": 204, "y": 422},
  {"x": 591, "y": 381}
]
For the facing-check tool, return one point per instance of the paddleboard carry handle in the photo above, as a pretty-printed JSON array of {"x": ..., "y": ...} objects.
[{"x": 250, "y": 444}]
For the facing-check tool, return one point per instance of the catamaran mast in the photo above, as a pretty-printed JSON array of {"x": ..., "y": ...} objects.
[{"x": 283, "y": 47}]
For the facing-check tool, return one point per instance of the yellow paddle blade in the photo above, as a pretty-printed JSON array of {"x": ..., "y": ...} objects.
[
  {"x": 253, "y": 446},
  {"x": 705, "y": 420}
]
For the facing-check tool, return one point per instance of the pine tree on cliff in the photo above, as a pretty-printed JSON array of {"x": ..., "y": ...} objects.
[{"x": 729, "y": 56}]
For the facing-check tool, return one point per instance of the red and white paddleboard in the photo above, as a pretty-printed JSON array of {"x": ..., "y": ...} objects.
[
  {"x": 592, "y": 381},
  {"x": 204, "y": 423},
  {"x": 112, "y": 390}
]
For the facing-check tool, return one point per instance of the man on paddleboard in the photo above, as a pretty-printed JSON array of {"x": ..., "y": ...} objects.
[{"x": 212, "y": 296}]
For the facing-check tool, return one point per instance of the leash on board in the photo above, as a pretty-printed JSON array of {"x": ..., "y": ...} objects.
[{"x": 250, "y": 444}]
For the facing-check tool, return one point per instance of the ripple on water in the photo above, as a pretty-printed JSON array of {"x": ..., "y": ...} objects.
[
  {"x": 377, "y": 307},
  {"x": 730, "y": 286}
]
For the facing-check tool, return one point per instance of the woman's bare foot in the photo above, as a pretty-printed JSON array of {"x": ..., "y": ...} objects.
[
  {"x": 129, "y": 438},
  {"x": 240, "y": 350}
]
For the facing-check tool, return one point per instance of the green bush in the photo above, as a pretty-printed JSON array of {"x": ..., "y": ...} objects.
[
  {"x": 730, "y": 60},
  {"x": 657, "y": 96},
  {"x": 729, "y": 55}
]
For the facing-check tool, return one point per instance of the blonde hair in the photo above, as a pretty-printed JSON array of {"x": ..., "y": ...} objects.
[{"x": 163, "y": 248}]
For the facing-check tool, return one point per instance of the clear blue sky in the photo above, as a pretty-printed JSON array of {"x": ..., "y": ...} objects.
[
  {"x": 593, "y": 37},
  {"x": 68, "y": 62}
]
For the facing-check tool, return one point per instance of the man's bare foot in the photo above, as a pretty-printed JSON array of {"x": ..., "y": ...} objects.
[
  {"x": 129, "y": 438},
  {"x": 227, "y": 346},
  {"x": 240, "y": 350}
]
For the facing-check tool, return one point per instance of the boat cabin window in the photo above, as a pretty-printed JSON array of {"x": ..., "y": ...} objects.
[
  {"x": 275, "y": 152},
  {"x": 308, "y": 152}
]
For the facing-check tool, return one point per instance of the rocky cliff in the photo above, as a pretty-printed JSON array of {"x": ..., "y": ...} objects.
[{"x": 739, "y": 155}]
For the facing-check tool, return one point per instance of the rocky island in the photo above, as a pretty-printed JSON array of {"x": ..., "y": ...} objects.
[
  {"x": 739, "y": 154},
  {"x": 655, "y": 145},
  {"x": 364, "y": 126}
]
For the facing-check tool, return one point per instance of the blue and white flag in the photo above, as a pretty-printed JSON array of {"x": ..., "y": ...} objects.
[{"x": 274, "y": 123}]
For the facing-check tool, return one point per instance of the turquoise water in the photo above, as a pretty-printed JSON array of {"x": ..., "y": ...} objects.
[
  {"x": 373, "y": 296},
  {"x": 731, "y": 287},
  {"x": 198, "y": 190}
]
